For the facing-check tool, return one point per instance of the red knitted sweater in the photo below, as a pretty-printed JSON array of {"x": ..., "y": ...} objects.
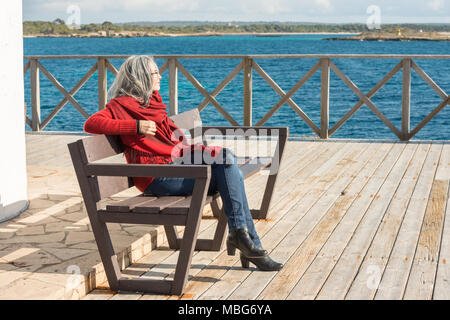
[{"x": 119, "y": 118}]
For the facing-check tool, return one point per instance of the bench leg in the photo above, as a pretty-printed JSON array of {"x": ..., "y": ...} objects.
[
  {"x": 214, "y": 244},
  {"x": 190, "y": 235},
  {"x": 267, "y": 197},
  {"x": 221, "y": 228},
  {"x": 270, "y": 185},
  {"x": 107, "y": 254},
  {"x": 172, "y": 237},
  {"x": 218, "y": 240}
]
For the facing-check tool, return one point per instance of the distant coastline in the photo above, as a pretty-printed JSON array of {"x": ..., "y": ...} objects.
[
  {"x": 107, "y": 29},
  {"x": 397, "y": 36},
  {"x": 131, "y": 34}
]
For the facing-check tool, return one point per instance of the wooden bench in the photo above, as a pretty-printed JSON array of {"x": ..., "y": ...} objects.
[{"x": 101, "y": 180}]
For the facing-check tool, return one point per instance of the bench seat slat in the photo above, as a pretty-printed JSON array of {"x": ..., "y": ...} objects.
[
  {"x": 182, "y": 207},
  {"x": 129, "y": 204},
  {"x": 157, "y": 205}
]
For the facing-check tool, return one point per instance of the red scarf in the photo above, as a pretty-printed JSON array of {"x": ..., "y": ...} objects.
[
  {"x": 162, "y": 143},
  {"x": 157, "y": 149}
]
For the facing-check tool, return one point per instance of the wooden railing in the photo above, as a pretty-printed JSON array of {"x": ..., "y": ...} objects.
[{"x": 248, "y": 64}]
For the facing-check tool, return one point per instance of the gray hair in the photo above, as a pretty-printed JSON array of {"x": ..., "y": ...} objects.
[{"x": 134, "y": 79}]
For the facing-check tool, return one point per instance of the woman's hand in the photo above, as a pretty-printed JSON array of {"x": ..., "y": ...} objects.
[{"x": 147, "y": 127}]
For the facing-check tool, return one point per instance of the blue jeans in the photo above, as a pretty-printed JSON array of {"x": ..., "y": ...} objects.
[{"x": 227, "y": 179}]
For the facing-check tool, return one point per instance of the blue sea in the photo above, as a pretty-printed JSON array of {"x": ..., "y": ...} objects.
[{"x": 365, "y": 73}]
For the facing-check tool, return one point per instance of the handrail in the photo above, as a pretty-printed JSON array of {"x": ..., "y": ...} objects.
[
  {"x": 248, "y": 64},
  {"x": 251, "y": 56}
]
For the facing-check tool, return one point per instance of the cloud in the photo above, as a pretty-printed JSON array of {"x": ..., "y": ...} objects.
[
  {"x": 161, "y": 6},
  {"x": 267, "y": 7},
  {"x": 324, "y": 4},
  {"x": 332, "y": 11},
  {"x": 436, "y": 5}
]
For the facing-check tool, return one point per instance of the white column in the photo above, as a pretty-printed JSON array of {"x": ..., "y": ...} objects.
[{"x": 13, "y": 175}]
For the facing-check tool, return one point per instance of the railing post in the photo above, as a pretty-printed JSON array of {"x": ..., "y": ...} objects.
[
  {"x": 35, "y": 96},
  {"x": 325, "y": 98},
  {"x": 102, "y": 83},
  {"x": 406, "y": 99},
  {"x": 173, "y": 86},
  {"x": 247, "y": 91}
]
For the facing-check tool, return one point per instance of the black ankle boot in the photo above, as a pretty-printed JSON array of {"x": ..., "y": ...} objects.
[
  {"x": 241, "y": 240},
  {"x": 263, "y": 263}
]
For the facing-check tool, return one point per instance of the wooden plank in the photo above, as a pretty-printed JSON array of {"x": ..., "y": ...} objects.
[
  {"x": 111, "y": 68},
  {"x": 150, "y": 260},
  {"x": 165, "y": 269},
  {"x": 349, "y": 262},
  {"x": 290, "y": 93},
  {"x": 128, "y": 204},
  {"x": 173, "y": 86},
  {"x": 126, "y": 296},
  {"x": 164, "y": 67},
  {"x": 102, "y": 83},
  {"x": 406, "y": 98},
  {"x": 428, "y": 80},
  {"x": 99, "y": 294},
  {"x": 206, "y": 94},
  {"x": 423, "y": 271},
  {"x": 430, "y": 116},
  {"x": 366, "y": 281},
  {"x": 187, "y": 120},
  {"x": 311, "y": 283},
  {"x": 134, "y": 218},
  {"x": 161, "y": 264},
  {"x": 282, "y": 94},
  {"x": 221, "y": 86},
  {"x": 353, "y": 202},
  {"x": 307, "y": 237},
  {"x": 293, "y": 211},
  {"x": 148, "y": 170},
  {"x": 292, "y": 165},
  {"x": 304, "y": 240},
  {"x": 26, "y": 67},
  {"x": 254, "y": 56},
  {"x": 366, "y": 100},
  {"x": 396, "y": 273},
  {"x": 325, "y": 98},
  {"x": 248, "y": 89},
  {"x": 442, "y": 284},
  {"x": 219, "y": 288},
  {"x": 63, "y": 91},
  {"x": 369, "y": 95},
  {"x": 35, "y": 95},
  {"x": 182, "y": 207},
  {"x": 72, "y": 92},
  {"x": 157, "y": 205}
]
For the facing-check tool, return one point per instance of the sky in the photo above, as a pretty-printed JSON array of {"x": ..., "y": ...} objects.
[{"x": 328, "y": 11}]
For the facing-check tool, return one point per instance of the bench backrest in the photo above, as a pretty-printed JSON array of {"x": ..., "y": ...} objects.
[{"x": 100, "y": 147}]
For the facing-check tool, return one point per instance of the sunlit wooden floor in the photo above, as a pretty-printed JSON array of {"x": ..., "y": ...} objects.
[{"x": 351, "y": 219}]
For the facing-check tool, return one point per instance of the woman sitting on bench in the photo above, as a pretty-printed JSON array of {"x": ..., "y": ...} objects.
[{"x": 136, "y": 113}]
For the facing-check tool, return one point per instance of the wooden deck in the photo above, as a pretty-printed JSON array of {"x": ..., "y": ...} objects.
[{"x": 351, "y": 219}]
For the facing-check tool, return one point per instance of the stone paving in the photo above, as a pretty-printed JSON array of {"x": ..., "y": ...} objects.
[{"x": 49, "y": 252}]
